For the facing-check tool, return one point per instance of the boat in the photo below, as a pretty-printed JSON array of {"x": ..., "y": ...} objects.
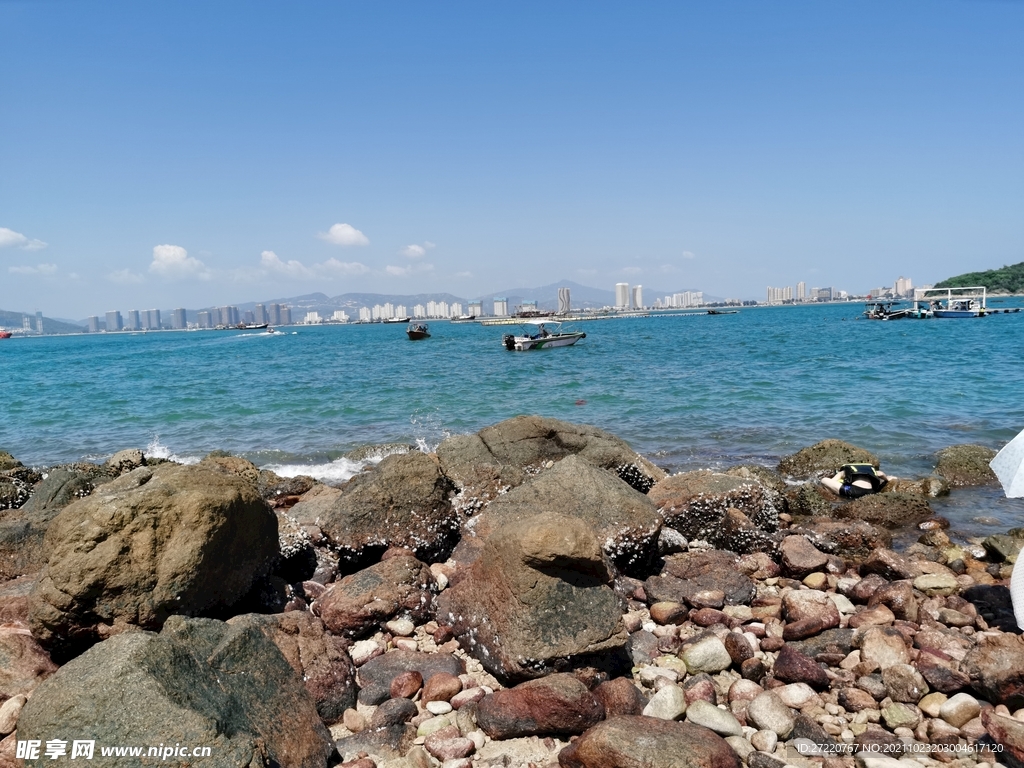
[
  {"x": 396, "y": 319},
  {"x": 541, "y": 334},
  {"x": 885, "y": 310},
  {"x": 417, "y": 332},
  {"x": 967, "y": 301},
  {"x": 723, "y": 311},
  {"x": 4, "y": 333}
]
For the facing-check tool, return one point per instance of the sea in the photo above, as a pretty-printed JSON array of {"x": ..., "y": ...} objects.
[{"x": 687, "y": 390}]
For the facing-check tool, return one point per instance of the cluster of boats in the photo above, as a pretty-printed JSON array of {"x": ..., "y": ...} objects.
[
  {"x": 935, "y": 303},
  {"x": 535, "y": 334}
]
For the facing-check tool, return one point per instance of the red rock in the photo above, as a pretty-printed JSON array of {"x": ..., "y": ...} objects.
[
  {"x": 898, "y": 596},
  {"x": 620, "y": 697},
  {"x": 738, "y": 647},
  {"x": 441, "y": 687},
  {"x": 23, "y": 663},
  {"x": 708, "y": 617},
  {"x": 405, "y": 685},
  {"x": 558, "y": 704},
  {"x": 791, "y": 666},
  {"x": 467, "y": 696},
  {"x": 1005, "y": 731},
  {"x": 669, "y": 612},
  {"x": 650, "y": 742},
  {"x": 448, "y": 744},
  {"x": 800, "y": 557},
  {"x": 865, "y": 589}
]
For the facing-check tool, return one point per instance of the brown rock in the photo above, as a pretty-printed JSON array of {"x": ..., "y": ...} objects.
[
  {"x": 800, "y": 557},
  {"x": 441, "y": 687},
  {"x": 898, "y": 597},
  {"x": 556, "y": 705},
  {"x": 406, "y": 685},
  {"x": 825, "y": 458},
  {"x": 965, "y": 465},
  {"x": 890, "y": 510},
  {"x": 687, "y": 574},
  {"x": 375, "y": 676},
  {"x": 620, "y": 697},
  {"x": 360, "y": 603},
  {"x": 878, "y": 616},
  {"x": 738, "y": 647},
  {"x": 855, "y": 699},
  {"x": 883, "y": 647},
  {"x": 890, "y": 565},
  {"x": 669, "y": 613},
  {"x": 864, "y": 589},
  {"x": 854, "y": 539},
  {"x": 941, "y": 672},
  {"x": 996, "y": 670},
  {"x": 708, "y": 617},
  {"x": 808, "y": 612},
  {"x": 791, "y": 666},
  {"x": 1007, "y": 731},
  {"x": 449, "y": 744},
  {"x": 650, "y": 742},
  {"x": 23, "y": 663},
  {"x": 393, "y": 712}
]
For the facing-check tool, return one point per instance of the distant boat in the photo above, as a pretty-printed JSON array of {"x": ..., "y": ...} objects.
[
  {"x": 397, "y": 319},
  {"x": 4, "y": 334},
  {"x": 417, "y": 332},
  {"x": 968, "y": 301},
  {"x": 723, "y": 311},
  {"x": 537, "y": 335},
  {"x": 884, "y": 310}
]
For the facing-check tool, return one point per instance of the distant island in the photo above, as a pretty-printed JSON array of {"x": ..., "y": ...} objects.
[{"x": 1006, "y": 280}]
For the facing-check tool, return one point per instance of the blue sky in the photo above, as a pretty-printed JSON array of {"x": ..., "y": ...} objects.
[{"x": 197, "y": 153}]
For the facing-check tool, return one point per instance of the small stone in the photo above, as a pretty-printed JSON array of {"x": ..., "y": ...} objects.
[
  {"x": 767, "y": 712},
  {"x": 900, "y": 715},
  {"x": 855, "y": 699},
  {"x": 791, "y": 666},
  {"x": 707, "y": 654},
  {"x": 816, "y": 580},
  {"x": 667, "y": 704},
  {"x": 932, "y": 703},
  {"x": 883, "y": 647},
  {"x": 438, "y": 707},
  {"x": 711, "y": 717},
  {"x": 960, "y": 709},
  {"x": 937, "y": 584},
  {"x": 400, "y": 627},
  {"x": 406, "y": 644},
  {"x": 740, "y": 746},
  {"x": 406, "y": 685},
  {"x": 797, "y": 695},
  {"x": 904, "y": 683},
  {"x": 764, "y": 741},
  {"x": 393, "y": 712},
  {"x": 669, "y": 613},
  {"x": 441, "y": 686},
  {"x": 462, "y": 698},
  {"x": 9, "y": 713},
  {"x": 354, "y": 721},
  {"x": 448, "y": 744},
  {"x": 433, "y": 724},
  {"x": 364, "y": 650}
]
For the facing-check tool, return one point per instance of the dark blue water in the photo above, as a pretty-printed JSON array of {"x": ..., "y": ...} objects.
[{"x": 688, "y": 391}]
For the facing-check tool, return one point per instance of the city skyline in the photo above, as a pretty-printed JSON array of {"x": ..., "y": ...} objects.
[{"x": 449, "y": 148}]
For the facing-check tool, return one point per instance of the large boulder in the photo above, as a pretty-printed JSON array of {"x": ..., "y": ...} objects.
[
  {"x": 7, "y": 461},
  {"x": 624, "y": 519},
  {"x": 634, "y": 740},
  {"x": 318, "y": 658},
  {"x": 964, "y": 465},
  {"x": 890, "y": 510},
  {"x": 536, "y": 600},
  {"x": 402, "y": 502},
  {"x": 854, "y": 539},
  {"x": 996, "y": 670},
  {"x": 361, "y": 602},
  {"x": 729, "y": 512},
  {"x": 504, "y": 455},
  {"x": 200, "y": 683},
  {"x": 825, "y": 458},
  {"x": 687, "y": 574},
  {"x": 155, "y": 542}
]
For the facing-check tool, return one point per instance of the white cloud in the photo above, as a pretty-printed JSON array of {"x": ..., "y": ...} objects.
[
  {"x": 417, "y": 251},
  {"x": 271, "y": 263},
  {"x": 39, "y": 269},
  {"x": 173, "y": 261},
  {"x": 339, "y": 268},
  {"x": 688, "y": 255},
  {"x": 344, "y": 235},
  {"x": 292, "y": 268},
  {"x": 410, "y": 270},
  {"x": 632, "y": 270},
  {"x": 125, "y": 277},
  {"x": 11, "y": 239}
]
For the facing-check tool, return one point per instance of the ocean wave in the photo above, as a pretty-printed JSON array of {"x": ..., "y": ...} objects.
[
  {"x": 337, "y": 471},
  {"x": 158, "y": 450}
]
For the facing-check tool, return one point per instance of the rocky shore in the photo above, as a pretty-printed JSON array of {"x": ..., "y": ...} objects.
[{"x": 536, "y": 594}]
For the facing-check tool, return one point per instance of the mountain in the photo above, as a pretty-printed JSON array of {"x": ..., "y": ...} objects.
[
  {"x": 12, "y": 321},
  {"x": 1006, "y": 280}
]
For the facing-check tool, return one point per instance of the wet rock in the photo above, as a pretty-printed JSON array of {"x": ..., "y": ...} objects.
[
  {"x": 155, "y": 542},
  {"x": 199, "y": 682},
  {"x": 556, "y": 705},
  {"x": 698, "y": 504},
  {"x": 890, "y": 510},
  {"x": 642, "y": 648},
  {"x": 364, "y": 601},
  {"x": 375, "y": 676},
  {"x": 965, "y": 465},
  {"x": 624, "y": 520},
  {"x": 504, "y": 455},
  {"x": 685, "y": 575},
  {"x": 537, "y": 600},
  {"x": 829, "y": 641},
  {"x": 620, "y": 697},
  {"x": 825, "y": 458},
  {"x": 318, "y": 658},
  {"x": 791, "y": 666},
  {"x": 647, "y": 741},
  {"x": 669, "y": 613},
  {"x": 800, "y": 557},
  {"x": 996, "y": 670},
  {"x": 402, "y": 502}
]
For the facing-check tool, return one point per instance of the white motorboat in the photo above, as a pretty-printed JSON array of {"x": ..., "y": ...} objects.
[
  {"x": 541, "y": 334},
  {"x": 967, "y": 301}
]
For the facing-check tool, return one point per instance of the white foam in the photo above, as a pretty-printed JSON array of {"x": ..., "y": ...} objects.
[
  {"x": 158, "y": 450},
  {"x": 337, "y": 471}
]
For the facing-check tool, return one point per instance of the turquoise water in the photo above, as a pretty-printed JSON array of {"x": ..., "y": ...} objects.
[{"x": 688, "y": 391}]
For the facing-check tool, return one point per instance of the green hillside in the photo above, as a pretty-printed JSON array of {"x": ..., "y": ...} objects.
[
  {"x": 1006, "y": 280},
  {"x": 12, "y": 320}
]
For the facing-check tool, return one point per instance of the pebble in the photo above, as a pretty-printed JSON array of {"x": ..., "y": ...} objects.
[
  {"x": 400, "y": 627},
  {"x": 9, "y": 713},
  {"x": 960, "y": 709},
  {"x": 705, "y": 713},
  {"x": 667, "y": 704},
  {"x": 768, "y": 712},
  {"x": 708, "y": 654},
  {"x": 438, "y": 707},
  {"x": 364, "y": 650}
]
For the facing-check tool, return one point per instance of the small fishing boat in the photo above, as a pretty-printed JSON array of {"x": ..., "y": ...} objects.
[
  {"x": 417, "y": 332},
  {"x": 723, "y": 311},
  {"x": 968, "y": 301},
  {"x": 885, "y": 310},
  {"x": 541, "y": 334}
]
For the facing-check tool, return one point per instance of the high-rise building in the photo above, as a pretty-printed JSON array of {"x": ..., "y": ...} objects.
[
  {"x": 801, "y": 291},
  {"x": 178, "y": 319},
  {"x": 39, "y": 323},
  {"x": 260, "y": 315},
  {"x": 476, "y": 308},
  {"x": 500, "y": 307},
  {"x": 286, "y": 315},
  {"x": 94, "y": 324},
  {"x": 622, "y": 295},
  {"x": 204, "y": 319},
  {"x": 114, "y": 322},
  {"x": 274, "y": 314},
  {"x": 230, "y": 316},
  {"x": 134, "y": 322},
  {"x": 313, "y": 318},
  {"x": 26, "y": 323},
  {"x": 153, "y": 319},
  {"x": 564, "y": 305},
  {"x": 365, "y": 315},
  {"x": 419, "y": 311},
  {"x": 904, "y": 286},
  {"x": 638, "y": 297},
  {"x": 340, "y": 316}
]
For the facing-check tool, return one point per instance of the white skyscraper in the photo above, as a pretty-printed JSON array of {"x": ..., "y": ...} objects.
[
  {"x": 563, "y": 301},
  {"x": 638, "y": 297},
  {"x": 801, "y": 291},
  {"x": 500, "y": 307},
  {"x": 622, "y": 295}
]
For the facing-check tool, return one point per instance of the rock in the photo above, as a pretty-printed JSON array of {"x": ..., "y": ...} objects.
[
  {"x": 501, "y": 456},
  {"x": 883, "y": 647},
  {"x": 854, "y": 539},
  {"x": 537, "y": 600},
  {"x": 401, "y": 502},
  {"x": 959, "y": 709},
  {"x": 855, "y": 699},
  {"x": 7, "y": 461},
  {"x": 904, "y": 683},
  {"x": 13, "y": 492},
  {"x": 375, "y": 676},
  {"x": 809, "y": 500},
  {"x": 698, "y": 504},
  {"x": 800, "y": 557},
  {"x": 624, "y": 520},
  {"x": 648, "y": 742},
  {"x": 889, "y": 564},
  {"x": 669, "y": 613},
  {"x": 199, "y": 682},
  {"x": 9, "y": 713},
  {"x": 318, "y": 658},
  {"x": 395, "y": 711},
  {"x": 685, "y": 575},
  {"x": 808, "y": 612},
  {"x": 449, "y": 744},
  {"x": 738, "y": 647},
  {"x": 797, "y": 696},
  {"x": 898, "y": 597},
  {"x": 880, "y": 615},
  {"x": 767, "y": 712},
  {"x": 937, "y": 584},
  {"x": 556, "y": 705},
  {"x": 964, "y": 465},
  {"x": 441, "y": 687},
  {"x": 406, "y": 685},
  {"x": 620, "y": 697},
  {"x": 705, "y": 654},
  {"x": 155, "y": 542},
  {"x": 890, "y": 510},
  {"x": 125, "y": 461},
  {"x": 900, "y": 715},
  {"x": 996, "y": 670},
  {"x": 825, "y": 458},
  {"x": 668, "y": 703},
  {"x": 1007, "y": 731},
  {"x": 714, "y": 719},
  {"x": 791, "y": 666},
  {"x": 942, "y": 673},
  {"x": 23, "y": 663},
  {"x": 364, "y": 601}
]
